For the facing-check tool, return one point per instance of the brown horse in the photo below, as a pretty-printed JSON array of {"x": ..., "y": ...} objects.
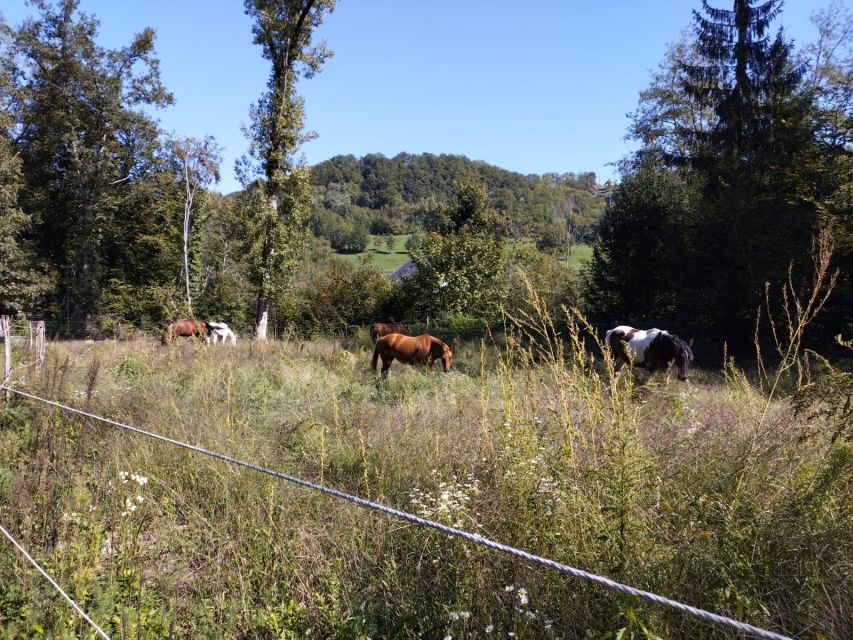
[
  {"x": 411, "y": 350},
  {"x": 184, "y": 328},
  {"x": 380, "y": 329}
]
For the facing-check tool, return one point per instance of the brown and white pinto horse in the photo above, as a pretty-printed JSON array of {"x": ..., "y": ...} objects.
[
  {"x": 652, "y": 349},
  {"x": 184, "y": 328},
  {"x": 411, "y": 350},
  {"x": 380, "y": 329}
]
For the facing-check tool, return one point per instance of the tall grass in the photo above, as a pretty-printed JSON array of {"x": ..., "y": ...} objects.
[{"x": 688, "y": 491}]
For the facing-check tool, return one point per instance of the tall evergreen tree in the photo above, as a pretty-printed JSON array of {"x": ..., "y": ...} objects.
[{"x": 283, "y": 29}]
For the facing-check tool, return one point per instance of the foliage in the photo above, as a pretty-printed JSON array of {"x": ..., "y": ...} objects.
[
  {"x": 23, "y": 287},
  {"x": 340, "y": 295},
  {"x": 461, "y": 270},
  {"x": 82, "y": 137},
  {"x": 736, "y": 175},
  {"x": 283, "y": 29},
  {"x": 637, "y": 266},
  {"x": 409, "y": 193}
]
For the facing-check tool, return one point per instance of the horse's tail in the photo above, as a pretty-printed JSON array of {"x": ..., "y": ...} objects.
[{"x": 375, "y": 362}]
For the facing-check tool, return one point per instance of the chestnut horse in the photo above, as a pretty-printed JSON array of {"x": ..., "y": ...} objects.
[
  {"x": 411, "y": 350},
  {"x": 184, "y": 328},
  {"x": 380, "y": 329}
]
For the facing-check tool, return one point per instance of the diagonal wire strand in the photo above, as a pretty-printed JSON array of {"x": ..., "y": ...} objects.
[
  {"x": 702, "y": 614},
  {"x": 54, "y": 583}
]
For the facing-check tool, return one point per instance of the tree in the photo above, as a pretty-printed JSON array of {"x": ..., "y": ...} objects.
[
  {"x": 742, "y": 76},
  {"x": 460, "y": 271},
  {"x": 22, "y": 285},
  {"x": 82, "y": 138},
  {"x": 638, "y": 261},
  {"x": 731, "y": 183},
  {"x": 283, "y": 29},
  {"x": 198, "y": 165}
]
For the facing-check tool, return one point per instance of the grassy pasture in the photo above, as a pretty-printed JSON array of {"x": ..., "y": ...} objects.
[
  {"x": 391, "y": 260},
  {"x": 671, "y": 488}
]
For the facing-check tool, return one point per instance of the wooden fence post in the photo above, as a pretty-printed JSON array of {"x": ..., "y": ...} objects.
[
  {"x": 40, "y": 342},
  {"x": 6, "y": 329}
]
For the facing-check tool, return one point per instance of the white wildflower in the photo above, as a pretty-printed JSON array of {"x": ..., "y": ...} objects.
[
  {"x": 521, "y": 598},
  {"x": 509, "y": 587},
  {"x": 490, "y": 628}
]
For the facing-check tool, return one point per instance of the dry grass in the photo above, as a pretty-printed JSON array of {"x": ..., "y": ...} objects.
[{"x": 684, "y": 490}]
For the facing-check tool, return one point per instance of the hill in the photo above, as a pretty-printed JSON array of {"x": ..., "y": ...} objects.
[{"x": 404, "y": 194}]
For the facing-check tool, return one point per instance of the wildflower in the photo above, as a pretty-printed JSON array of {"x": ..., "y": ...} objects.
[
  {"x": 140, "y": 499},
  {"x": 140, "y": 479},
  {"x": 509, "y": 587},
  {"x": 521, "y": 598},
  {"x": 490, "y": 628}
]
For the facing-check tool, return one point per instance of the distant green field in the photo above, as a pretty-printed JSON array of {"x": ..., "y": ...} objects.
[
  {"x": 383, "y": 258},
  {"x": 397, "y": 256}
]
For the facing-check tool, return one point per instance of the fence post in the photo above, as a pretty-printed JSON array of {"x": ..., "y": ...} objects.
[
  {"x": 40, "y": 342},
  {"x": 6, "y": 329},
  {"x": 30, "y": 327}
]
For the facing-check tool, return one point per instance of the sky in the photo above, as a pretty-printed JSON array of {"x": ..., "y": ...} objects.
[{"x": 532, "y": 86}]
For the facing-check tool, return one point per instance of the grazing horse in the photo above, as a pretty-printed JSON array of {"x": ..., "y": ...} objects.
[
  {"x": 184, "y": 328},
  {"x": 411, "y": 350},
  {"x": 652, "y": 349},
  {"x": 380, "y": 329},
  {"x": 217, "y": 331}
]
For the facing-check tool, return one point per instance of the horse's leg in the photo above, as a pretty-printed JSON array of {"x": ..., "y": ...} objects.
[{"x": 386, "y": 364}]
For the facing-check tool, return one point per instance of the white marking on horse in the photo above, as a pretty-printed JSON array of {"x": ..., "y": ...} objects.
[
  {"x": 219, "y": 331},
  {"x": 639, "y": 340}
]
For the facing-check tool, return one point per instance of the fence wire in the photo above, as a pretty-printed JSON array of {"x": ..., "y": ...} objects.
[
  {"x": 695, "y": 612},
  {"x": 54, "y": 583}
]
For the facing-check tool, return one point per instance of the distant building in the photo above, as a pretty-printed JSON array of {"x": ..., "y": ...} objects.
[
  {"x": 406, "y": 270},
  {"x": 605, "y": 191}
]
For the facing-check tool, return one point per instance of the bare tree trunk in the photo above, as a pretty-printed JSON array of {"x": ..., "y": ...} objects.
[
  {"x": 188, "y": 207},
  {"x": 262, "y": 316}
]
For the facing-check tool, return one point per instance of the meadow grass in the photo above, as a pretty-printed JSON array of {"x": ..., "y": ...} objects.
[
  {"x": 678, "y": 489},
  {"x": 381, "y": 256},
  {"x": 398, "y": 255}
]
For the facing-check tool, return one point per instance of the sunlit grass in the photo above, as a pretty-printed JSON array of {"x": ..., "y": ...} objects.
[{"x": 668, "y": 487}]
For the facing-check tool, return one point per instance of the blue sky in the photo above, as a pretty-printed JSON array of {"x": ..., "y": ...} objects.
[{"x": 532, "y": 86}]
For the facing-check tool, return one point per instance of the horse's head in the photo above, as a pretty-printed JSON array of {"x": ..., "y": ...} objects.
[
  {"x": 446, "y": 358},
  {"x": 683, "y": 356},
  {"x": 166, "y": 335}
]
